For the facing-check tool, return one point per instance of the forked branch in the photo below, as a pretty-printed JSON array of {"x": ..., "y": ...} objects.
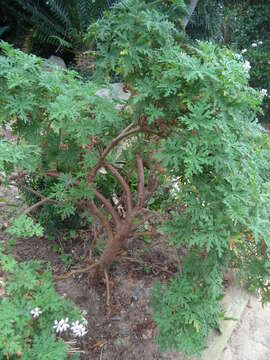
[
  {"x": 124, "y": 134},
  {"x": 105, "y": 223},
  {"x": 123, "y": 183},
  {"x": 140, "y": 195},
  {"x": 109, "y": 208}
]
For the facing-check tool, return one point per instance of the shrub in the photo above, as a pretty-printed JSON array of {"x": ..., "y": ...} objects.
[
  {"x": 187, "y": 308},
  {"x": 29, "y": 307},
  {"x": 191, "y": 119}
]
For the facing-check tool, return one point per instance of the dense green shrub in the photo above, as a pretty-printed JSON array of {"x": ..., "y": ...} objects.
[
  {"x": 190, "y": 119},
  {"x": 29, "y": 307},
  {"x": 182, "y": 308}
]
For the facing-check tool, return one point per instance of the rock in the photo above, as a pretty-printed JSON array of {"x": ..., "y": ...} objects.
[
  {"x": 115, "y": 318},
  {"x": 115, "y": 92},
  {"x": 55, "y": 61}
]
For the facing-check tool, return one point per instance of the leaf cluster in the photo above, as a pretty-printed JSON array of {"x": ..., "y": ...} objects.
[
  {"x": 25, "y": 286},
  {"x": 187, "y": 308}
]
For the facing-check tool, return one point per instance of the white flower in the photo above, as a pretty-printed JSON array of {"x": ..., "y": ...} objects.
[
  {"x": 246, "y": 66},
  {"x": 78, "y": 329},
  {"x": 103, "y": 171},
  {"x": 85, "y": 322},
  {"x": 254, "y": 45},
  {"x": 36, "y": 312},
  {"x": 264, "y": 92},
  {"x": 61, "y": 325},
  {"x": 260, "y": 42},
  {"x": 244, "y": 51}
]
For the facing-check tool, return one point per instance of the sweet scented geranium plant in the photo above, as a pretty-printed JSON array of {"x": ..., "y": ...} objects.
[{"x": 190, "y": 119}]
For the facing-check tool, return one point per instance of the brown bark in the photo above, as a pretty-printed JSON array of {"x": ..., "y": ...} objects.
[
  {"x": 123, "y": 183},
  {"x": 104, "y": 222},
  {"x": 113, "y": 248},
  {"x": 124, "y": 134},
  {"x": 140, "y": 196},
  {"x": 109, "y": 208}
]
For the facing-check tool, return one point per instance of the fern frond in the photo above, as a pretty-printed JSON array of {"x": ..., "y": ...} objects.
[
  {"x": 84, "y": 13},
  {"x": 59, "y": 11},
  {"x": 59, "y": 21},
  {"x": 3, "y": 29}
]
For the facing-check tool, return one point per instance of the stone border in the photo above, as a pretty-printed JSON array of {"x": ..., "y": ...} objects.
[{"x": 234, "y": 302}]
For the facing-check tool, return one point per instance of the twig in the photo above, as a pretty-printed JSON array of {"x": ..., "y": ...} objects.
[
  {"x": 140, "y": 196},
  {"x": 96, "y": 212},
  {"x": 108, "y": 296},
  {"x": 75, "y": 272},
  {"x": 101, "y": 354},
  {"x": 123, "y": 183},
  {"x": 145, "y": 263},
  {"x": 109, "y": 208},
  {"x": 141, "y": 222},
  {"x": 38, "y": 194},
  {"x": 125, "y": 133},
  {"x": 3, "y": 204},
  {"x": 33, "y": 207}
]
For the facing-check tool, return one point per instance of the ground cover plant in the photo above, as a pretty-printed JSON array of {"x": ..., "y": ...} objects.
[
  {"x": 190, "y": 122},
  {"x": 36, "y": 321}
]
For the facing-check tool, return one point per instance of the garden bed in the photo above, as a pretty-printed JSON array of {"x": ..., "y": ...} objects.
[{"x": 129, "y": 331}]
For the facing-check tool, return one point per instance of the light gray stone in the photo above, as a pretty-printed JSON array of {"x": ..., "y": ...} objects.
[
  {"x": 55, "y": 60},
  {"x": 115, "y": 92}
]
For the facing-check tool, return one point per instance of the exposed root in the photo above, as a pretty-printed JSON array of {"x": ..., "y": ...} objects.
[
  {"x": 101, "y": 354},
  {"x": 108, "y": 297},
  {"x": 75, "y": 272}
]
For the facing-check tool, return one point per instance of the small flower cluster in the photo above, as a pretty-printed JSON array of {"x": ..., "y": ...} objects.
[
  {"x": 246, "y": 66},
  {"x": 78, "y": 329},
  {"x": 254, "y": 45},
  {"x": 61, "y": 325},
  {"x": 36, "y": 312},
  {"x": 264, "y": 92}
]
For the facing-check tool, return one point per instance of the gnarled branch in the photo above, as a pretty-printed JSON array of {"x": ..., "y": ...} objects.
[
  {"x": 140, "y": 196},
  {"x": 109, "y": 208},
  {"x": 124, "y": 134},
  {"x": 123, "y": 183},
  {"x": 97, "y": 213}
]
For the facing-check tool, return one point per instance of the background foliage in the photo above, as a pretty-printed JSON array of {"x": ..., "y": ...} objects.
[
  {"x": 61, "y": 23},
  {"x": 238, "y": 24}
]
